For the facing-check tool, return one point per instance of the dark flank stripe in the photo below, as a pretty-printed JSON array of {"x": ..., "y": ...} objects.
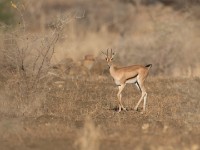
[{"x": 132, "y": 77}]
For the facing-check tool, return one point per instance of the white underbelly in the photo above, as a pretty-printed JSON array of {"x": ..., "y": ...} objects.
[{"x": 133, "y": 80}]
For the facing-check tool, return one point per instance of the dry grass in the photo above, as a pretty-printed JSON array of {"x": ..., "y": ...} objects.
[
  {"x": 171, "y": 120},
  {"x": 56, "y": 91}
]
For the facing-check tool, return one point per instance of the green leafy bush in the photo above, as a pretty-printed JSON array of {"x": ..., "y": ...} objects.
[{"x": 6, "y": 13}]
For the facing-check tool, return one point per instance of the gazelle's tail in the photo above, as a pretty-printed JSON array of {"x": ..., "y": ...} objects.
[{"x": 148, "y": 66}]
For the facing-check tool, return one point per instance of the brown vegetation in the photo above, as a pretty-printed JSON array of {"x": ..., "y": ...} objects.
[{"x": 56, "y": 91}]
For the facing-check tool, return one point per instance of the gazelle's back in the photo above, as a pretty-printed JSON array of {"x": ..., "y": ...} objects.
[{"x": 131, "y": 72}]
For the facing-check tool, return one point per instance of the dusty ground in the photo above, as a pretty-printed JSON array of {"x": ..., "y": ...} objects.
[{"x": 79, "y": 113}]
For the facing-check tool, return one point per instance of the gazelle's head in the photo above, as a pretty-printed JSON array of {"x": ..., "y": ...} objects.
[{"x": 109, "y": 57}]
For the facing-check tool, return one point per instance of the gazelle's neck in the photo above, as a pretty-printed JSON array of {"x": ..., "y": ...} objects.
[{"x": 112, "y": 70}]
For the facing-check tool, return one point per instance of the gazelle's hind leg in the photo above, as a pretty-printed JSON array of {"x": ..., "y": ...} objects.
[
  {"x": 143, "y": 96},
  {"x": 145, "y": 101},
  {"x": 119, "y": 96},
  {"x": 137, "y": 85}
]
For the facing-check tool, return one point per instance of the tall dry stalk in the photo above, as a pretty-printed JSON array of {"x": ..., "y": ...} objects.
[{"x": 89, "y": 137}]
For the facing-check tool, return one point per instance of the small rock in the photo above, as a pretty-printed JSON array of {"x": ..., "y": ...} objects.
[{"x": 145, "y": 126}]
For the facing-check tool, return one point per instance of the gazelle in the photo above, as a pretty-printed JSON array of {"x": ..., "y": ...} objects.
[
  {"x": 88, "y": 61},
  {"x": 135, "y": 74}
]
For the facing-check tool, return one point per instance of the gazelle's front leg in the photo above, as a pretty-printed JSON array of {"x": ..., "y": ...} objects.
[{"x": 119, "y": 96}]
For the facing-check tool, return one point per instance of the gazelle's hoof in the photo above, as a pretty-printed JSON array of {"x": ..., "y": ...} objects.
[
  {"x": 143, "y": 111},
  {"x": 136, "y": 109},
  {"x": 124, "y": 109},
  {"x": 118, "y": 111}
]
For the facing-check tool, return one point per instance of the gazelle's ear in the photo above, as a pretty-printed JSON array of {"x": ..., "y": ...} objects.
[
  {"x": 112, "y": 55},
  {"x": 103, "y": 53}
]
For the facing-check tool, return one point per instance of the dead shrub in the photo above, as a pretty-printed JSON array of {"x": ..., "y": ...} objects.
[{"x": 26, "y": 61}]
